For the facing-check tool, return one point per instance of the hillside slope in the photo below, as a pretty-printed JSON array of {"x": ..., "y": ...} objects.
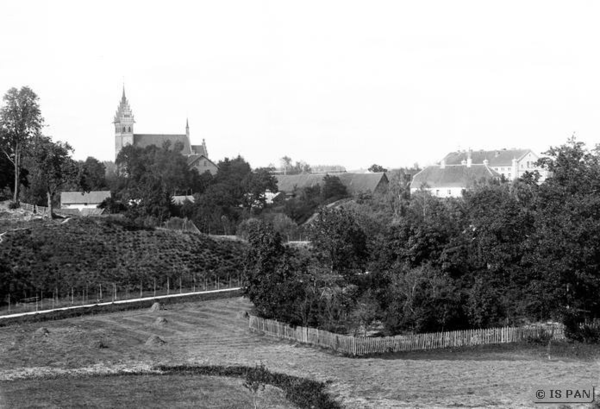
[{"x": 45, "y": 255}]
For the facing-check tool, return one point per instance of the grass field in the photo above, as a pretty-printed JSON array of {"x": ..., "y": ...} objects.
[
  {"x": 146, "y": 391},
  {"x": 215, "y": 333}
]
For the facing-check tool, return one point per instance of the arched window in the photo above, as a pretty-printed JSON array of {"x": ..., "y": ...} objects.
[
  {"x": 129, "y": 129},
  {"x": 124, "y": 129}
]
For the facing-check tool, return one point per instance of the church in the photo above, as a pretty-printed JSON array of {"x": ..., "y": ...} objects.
[{"x": 197, "y": 155}]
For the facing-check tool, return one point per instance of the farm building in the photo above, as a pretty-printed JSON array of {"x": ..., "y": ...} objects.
[
  {"x": 355, "y": 182},
  {"x": 80, "y": 201}
]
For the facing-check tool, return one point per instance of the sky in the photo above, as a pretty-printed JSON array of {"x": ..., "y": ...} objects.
[{"x": 350, "y": 83}]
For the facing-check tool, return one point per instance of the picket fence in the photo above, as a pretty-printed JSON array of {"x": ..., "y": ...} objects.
[
  {"x": 42, "y": 210},
  {"x": 364, "y": 345}
]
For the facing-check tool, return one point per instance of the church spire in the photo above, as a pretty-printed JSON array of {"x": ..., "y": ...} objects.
[{"x": 124, "y": 110}]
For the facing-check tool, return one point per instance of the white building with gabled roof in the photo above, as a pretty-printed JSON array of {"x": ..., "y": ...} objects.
[{"x": 510, "y": 163}]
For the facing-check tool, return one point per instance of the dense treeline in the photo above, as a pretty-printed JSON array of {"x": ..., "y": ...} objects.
[{"x": 504, "y": 253}]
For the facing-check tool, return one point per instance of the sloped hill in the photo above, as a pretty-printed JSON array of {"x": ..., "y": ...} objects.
[{"x": 46, "y": 255}]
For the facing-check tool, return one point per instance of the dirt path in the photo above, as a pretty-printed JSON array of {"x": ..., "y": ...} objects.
[{"x": 214, "y": 332}]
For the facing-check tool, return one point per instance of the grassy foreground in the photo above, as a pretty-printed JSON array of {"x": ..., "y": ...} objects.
[
  {"x": 215, "y": 333},
  {"x": 140, "y": 391}
]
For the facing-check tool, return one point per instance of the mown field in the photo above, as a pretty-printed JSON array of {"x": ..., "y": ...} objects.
[{"x": 215, "y": 333}]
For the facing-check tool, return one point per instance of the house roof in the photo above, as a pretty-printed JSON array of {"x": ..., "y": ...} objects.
[
  {"x": 143, "y": 140},
  {"x": 354, "y": 182},
  {"x": 501, "y": 157},
  {"x": 362, "y": 182},
  {"x": 287, "y": 183},
  {"x": 199, "y": 150},
  {"x": 96, "y": 197},
  {"x": 183, "y": 198},
  {"x": 192, "y": 159},
  {"x": 453, "y": 176}
]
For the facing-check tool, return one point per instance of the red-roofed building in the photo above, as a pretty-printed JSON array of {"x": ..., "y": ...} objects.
[{"x": 124, "y": 135}]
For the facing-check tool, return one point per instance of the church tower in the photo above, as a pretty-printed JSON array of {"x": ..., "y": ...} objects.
[{"x": 123, "y": 125}]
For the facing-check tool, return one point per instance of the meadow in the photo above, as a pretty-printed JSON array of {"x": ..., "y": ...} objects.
[{"x": 101, "y": 349}]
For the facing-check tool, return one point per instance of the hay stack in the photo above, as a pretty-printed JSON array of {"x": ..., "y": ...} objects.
[
  {"x": 155, "y": 307},
  {"x": 41, "y": 332},
  {"x": 160, "y": 321},
  {"x": 155, "y": 340},
  {"x": 242, "y": 315}
]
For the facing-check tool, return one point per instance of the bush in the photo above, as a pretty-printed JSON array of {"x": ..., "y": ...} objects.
[
  {"x": 577, "y": 329},
  {"x": 305, "y": 393},
  {"x": 13, "y": 205}
]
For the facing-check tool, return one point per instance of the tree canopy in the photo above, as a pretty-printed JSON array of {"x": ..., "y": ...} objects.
[{"x": 20, "y": 122}]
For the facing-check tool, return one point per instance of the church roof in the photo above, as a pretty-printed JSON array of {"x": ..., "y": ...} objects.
[
  {"x": 453, "y": 176},
  {"x": 199, "y": 150},
  {"x": 500, "y": 157},
  {"x": 143, "y": 140}
]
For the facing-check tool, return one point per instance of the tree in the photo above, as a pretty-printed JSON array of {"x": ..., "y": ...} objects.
[
  {"x": 7, "y": 177},
  {"x": 333, "y": 189},
  {"x": 271, "y": 278},
  {"x": 286, "y": 164},
  {"x": 54, "y": 167},
  {"x": 149, "y": 177},
  {"x": 377, "y": 168},
  {"x": 563, "y": 255},
  {"x": 20, "y": 122},
  {"x": 255, "y": 185},
  {"x": 94, "y": 172},
  {"x": 339, "y": 242}
]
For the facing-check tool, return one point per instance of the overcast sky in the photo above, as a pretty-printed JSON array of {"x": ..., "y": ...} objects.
[{"x": 328, "y": 82}]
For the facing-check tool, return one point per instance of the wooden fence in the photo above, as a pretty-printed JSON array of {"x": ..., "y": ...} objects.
[
  {"x": 41, "y": 210},
  {"x": 365, "y": 345}
]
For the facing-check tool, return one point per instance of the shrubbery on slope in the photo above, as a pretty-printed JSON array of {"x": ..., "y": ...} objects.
[{"x": 48, "y": 256}]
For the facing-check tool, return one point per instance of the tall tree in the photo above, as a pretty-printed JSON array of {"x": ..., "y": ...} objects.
[
  {"x": 20, "y": 122},
  {"x": 339, "y": 242},
  {"x": 333, "y": 189},
  {"x": 94, "y": 172},
  {"x": 54, "y": 167}
]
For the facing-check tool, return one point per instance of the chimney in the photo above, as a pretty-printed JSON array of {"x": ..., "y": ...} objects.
[{"x": 469, "y": 161}]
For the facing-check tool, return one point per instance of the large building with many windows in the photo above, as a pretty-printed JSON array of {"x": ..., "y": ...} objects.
[
  {"x": 510, "y": 163},
  {"x": 463, "y": 170}
]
